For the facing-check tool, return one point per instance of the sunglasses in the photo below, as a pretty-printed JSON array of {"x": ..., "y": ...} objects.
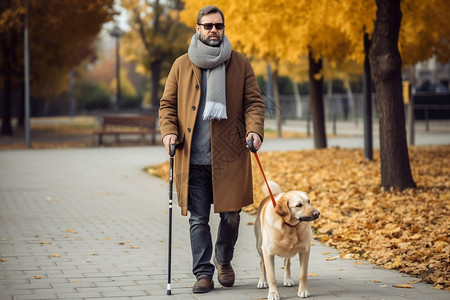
[{"x": 209, "y": 26}]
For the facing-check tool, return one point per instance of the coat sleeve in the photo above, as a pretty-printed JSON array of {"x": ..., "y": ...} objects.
[
  {"x": 168, "y": 121},
  {"x": 254, "y": 106}
]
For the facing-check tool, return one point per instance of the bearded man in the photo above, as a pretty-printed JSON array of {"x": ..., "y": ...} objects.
[{"x": 210, "y": 107}]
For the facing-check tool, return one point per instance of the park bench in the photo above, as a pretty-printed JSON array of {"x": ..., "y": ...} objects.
[{"x": 137, "y": 125}]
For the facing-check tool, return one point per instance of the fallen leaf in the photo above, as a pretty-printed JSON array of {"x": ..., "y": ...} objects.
[
  {"x": 313, "y": 275},
  {"x": 375, "y": 281},
  {"x": 45, "y": 243},
  {"x": 134, "y": 247},
  {"x": 413, "y": 281},
  {"x": 37, "y": 277},
  {"x": 74, "y": 281},
  {"x": 250, "y": 223},
  {"x": 69, "y": 230},
  {"x": 405, "y": 286},
  {"x": 325, "y": 252},
  {"x": 397, "y": 261},
  {"x": 358, "y": 263},
  {"x": 55, "y": 255},
  {"x": 331, "y": 258},
  {"x": 2, "y": 260},
  {"x": 348, "y": 256},
  {"x": 94, "y": 253}
]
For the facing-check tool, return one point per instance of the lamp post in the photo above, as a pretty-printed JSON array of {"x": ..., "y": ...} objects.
[
  {"x": 26, "y": 55},
  {"x": 116, "y": 32}
]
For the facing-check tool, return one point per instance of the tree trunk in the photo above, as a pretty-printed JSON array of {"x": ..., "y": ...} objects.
[
  {"x": 156, "y": 75},
  {"x": 316, "y": 102},
  {"x": 385, "y": 64},
  {"x": 21, "y": 110},
  {"x": 367, "y": 89},
  {"x": 6, "y": 103}
]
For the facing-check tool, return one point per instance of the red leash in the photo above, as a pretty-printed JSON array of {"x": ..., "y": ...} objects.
[{"x": 252, "y": 149}]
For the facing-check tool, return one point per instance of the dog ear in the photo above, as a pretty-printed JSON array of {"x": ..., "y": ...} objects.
[{"x": 282, "y": 209}]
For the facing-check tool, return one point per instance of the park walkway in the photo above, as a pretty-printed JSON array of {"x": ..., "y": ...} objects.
[{"x": 90, "y": 223}]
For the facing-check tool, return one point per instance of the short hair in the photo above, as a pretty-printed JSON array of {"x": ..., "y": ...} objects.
[{"x": 209, "y": 10}]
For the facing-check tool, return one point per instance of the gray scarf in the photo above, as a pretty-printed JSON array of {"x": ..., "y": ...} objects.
[{"x": 213, "y": 59}]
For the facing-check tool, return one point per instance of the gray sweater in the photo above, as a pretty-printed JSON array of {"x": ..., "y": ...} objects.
[{"x": 201, "y": 139}]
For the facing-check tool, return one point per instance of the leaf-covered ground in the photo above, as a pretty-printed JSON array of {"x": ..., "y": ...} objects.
[{"x": 408, "y": 231}]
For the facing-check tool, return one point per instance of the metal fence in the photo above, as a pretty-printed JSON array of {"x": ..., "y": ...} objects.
[{"x": 337, "y": 106}]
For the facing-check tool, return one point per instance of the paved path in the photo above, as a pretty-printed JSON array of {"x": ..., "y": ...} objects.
[{"x": 89, "y": 223}]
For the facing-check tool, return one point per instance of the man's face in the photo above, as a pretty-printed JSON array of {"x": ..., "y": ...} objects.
[{"x": 212, "y": 37}]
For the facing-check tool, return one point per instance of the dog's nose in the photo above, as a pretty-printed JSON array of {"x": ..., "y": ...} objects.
[{"x": 316, "y": 213}]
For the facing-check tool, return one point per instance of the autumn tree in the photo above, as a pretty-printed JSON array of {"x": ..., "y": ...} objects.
[
  {"x": 61, "y": 35},
  {"x": 386, "y": 65},
  {"x": 404, "y": 33},
  {"x": 156, "y": 39},
  {"x": 284, "y": 31}
]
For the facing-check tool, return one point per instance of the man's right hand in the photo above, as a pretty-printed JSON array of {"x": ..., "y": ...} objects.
[{"x": 169, "y": 139}]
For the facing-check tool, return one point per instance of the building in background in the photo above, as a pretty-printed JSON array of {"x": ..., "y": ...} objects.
[{"x": 432, "y": 76}]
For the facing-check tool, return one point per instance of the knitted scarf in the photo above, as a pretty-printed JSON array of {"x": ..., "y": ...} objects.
[{"x": 213, "y": 59}]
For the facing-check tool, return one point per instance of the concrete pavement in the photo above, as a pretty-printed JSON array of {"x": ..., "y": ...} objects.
[{"x": 89, "y": 223}]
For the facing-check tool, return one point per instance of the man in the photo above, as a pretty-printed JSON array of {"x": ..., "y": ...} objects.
[{"x": 210, "y": 107}]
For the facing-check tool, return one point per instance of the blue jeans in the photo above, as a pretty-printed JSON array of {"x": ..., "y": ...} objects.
[{"x": 199, "y": 206}]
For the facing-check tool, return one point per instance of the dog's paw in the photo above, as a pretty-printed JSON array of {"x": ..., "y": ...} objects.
[
  {"x": 288, "y": 282},
  {"x": 273, "y": 296},
  {"x": 262, "y": 285},
  {"x": 303, "y": 294}
]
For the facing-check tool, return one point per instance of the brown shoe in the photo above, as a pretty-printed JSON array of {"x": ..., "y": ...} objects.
[
  {"x": 203, "y": 285},
  {"x": 225, "y": 274}
]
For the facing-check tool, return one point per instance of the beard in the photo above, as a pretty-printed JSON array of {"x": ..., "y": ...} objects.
[{"x": 208, "y": 41}]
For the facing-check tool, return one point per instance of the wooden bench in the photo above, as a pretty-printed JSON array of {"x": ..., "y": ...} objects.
[{"x": 128, "y": 125}]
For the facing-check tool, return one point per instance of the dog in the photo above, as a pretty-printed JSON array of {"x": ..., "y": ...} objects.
[{"x": 284, "y": 230}]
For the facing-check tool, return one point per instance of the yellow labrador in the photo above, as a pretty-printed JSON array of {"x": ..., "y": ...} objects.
[{"x": 284, "y": 231}]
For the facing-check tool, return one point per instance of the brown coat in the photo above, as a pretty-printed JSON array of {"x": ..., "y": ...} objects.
[{"x": 230, "y": 159}]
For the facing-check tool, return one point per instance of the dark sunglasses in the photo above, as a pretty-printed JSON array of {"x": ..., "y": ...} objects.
[{"x": 209, "y": 26}]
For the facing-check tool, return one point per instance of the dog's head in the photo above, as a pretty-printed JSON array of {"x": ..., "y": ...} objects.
[{"x": 295, "y": 205}]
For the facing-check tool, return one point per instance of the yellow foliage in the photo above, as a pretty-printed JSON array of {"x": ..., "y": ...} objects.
[
  {"x": 126, "y": 86},
  {"x": 284, "y": 30},
  {"x": 425, "y": 30}
]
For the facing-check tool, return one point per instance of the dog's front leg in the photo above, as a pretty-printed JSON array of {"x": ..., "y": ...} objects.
[
  {"x": 269, "y": 261},
  {"x": 262, "y": 284},
  {"x": 287, "y": 273},
  {"x": 303, "y": 285}
]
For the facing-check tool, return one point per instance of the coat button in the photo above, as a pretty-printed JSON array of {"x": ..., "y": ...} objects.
[
  {"x": 193, "y": 107},
  {"x": 188, "y": 130},
  {"x": 197, "y": 87}
]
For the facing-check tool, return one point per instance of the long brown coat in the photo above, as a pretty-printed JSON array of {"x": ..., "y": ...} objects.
[{"x": 230, "y": 159}]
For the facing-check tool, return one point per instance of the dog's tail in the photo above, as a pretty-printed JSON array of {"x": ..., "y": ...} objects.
[{"x": 274, "y": 187}]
